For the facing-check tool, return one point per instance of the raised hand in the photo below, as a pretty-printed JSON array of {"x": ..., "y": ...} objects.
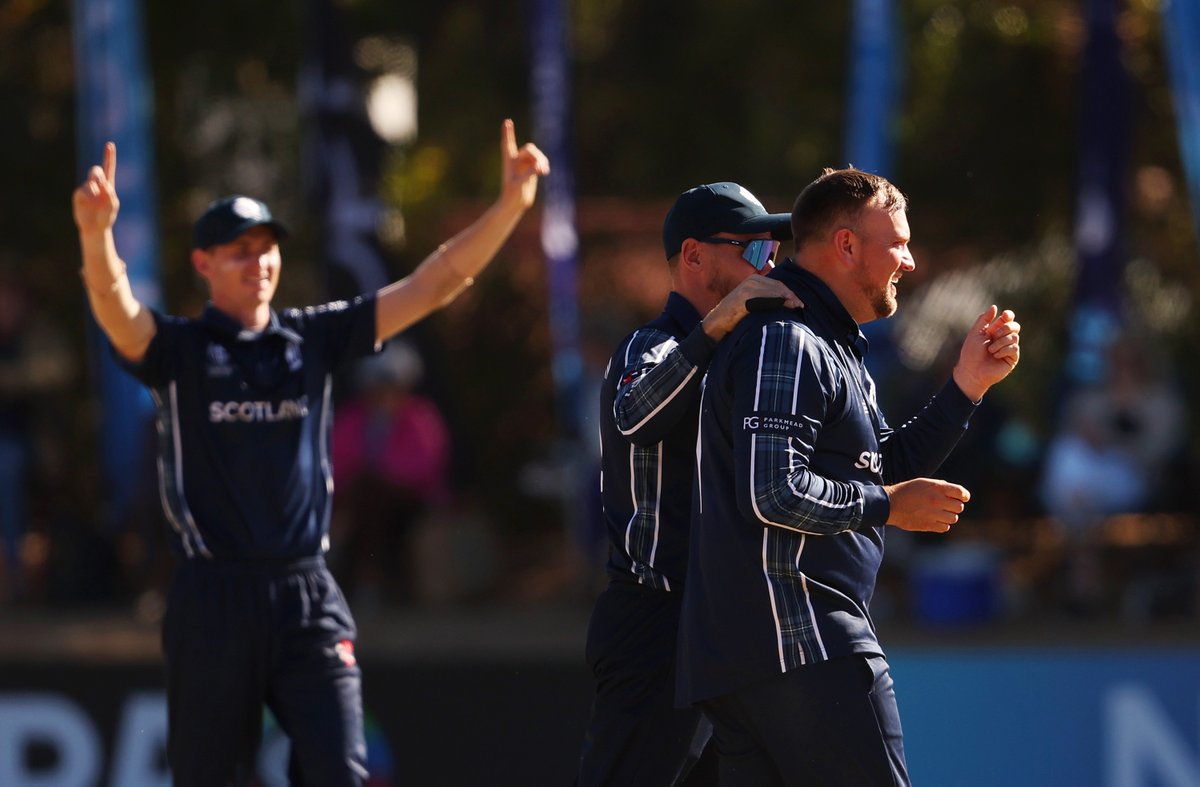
[
  {"x": 95, "y": 202},
  {"x": 926, "y": 504},
  {"x": 732, "y": 308},
  {"x": 989, "y": 353},
  {"x": 521, "y": 167}
]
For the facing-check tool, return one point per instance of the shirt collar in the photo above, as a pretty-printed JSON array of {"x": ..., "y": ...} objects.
[
  {"x": 232, "y": 330},
  {"x": 823, "y": 301},
  {"x": 682, "y": 312}
]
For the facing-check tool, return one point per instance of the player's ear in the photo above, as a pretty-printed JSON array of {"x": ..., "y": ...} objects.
[
  {"x": 845, "y": 243},
  {"x": 200, "y": 261},
  {"x": 689, "y": 253}
]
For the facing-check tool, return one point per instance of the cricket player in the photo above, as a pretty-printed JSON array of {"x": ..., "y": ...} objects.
[
  {"x": 719, "y": 240},
  {"x": 244, "y": 414}
]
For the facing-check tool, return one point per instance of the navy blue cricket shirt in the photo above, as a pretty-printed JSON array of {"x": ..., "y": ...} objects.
[
  {"x": 788, "y": 527},
  {"x": 649, "y": 403},
  {"x": 244, "y": 421}
]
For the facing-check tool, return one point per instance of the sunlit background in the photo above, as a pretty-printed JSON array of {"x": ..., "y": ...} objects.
[{"x": 1050, "y": 150}]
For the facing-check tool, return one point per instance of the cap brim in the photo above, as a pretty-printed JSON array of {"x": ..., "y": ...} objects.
[
  {"x": 778, "y": 224},
  {"x": 279, "y": 230},
  {"x": 236, "y": 231}
]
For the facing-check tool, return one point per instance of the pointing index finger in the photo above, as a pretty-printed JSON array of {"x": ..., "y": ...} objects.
[
  {"x": 110, "y": 163},
  {"x": 508, "y": 139}
]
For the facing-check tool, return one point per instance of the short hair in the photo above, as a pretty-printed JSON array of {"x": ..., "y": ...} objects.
[{"x": 839, "y": 196}]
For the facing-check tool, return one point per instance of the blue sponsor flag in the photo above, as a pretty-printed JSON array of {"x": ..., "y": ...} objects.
[
  {"x": 874, "y": 84},
  {"x": 343, "y": 156},
  {"x": 1100, "y": 202},
  {"x": 560, "y": 240},
  {"x": 1181, "y": 39},
  {"x": 870, "y": 112},
  {"x": 114, "y": 102}
]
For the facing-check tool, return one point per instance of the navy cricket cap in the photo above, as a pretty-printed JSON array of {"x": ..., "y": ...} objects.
[
  {"x": 226, "y": 218},
  {"x": 720, "y": 207}
]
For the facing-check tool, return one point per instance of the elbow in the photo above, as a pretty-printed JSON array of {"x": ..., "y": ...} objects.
[
  {"x": 131, "y": 351},
  {"x": 631, "y": 429},
  {"x": 642, "y": 438}
]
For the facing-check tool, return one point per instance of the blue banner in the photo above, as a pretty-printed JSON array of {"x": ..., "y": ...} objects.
[
  {"x": 1050, "y": 717},
  {"x": 1100, "y": 208},
  {"x": 874, "y": 85},
  {"x": 114, "y": 102},
  {"x": 343, "y": 156},
  {"x": 870, "y": 113},
  {"x": 560, "y": 241},
  {"x": 1181, "y": 39}
]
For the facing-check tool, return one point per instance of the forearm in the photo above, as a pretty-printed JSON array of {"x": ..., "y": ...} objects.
[
  {"x": 125, "y": 321},
  {"x": 921, "y": 446},
  {"x": 449, "y": 270},
  {"x": 468, "y": 253},
  {"x": 799, "y": 499}
]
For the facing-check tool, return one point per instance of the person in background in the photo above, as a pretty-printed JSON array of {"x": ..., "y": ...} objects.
[
  {"x": 391, "y": 464},
  {"x": 1113, "y": 454}
]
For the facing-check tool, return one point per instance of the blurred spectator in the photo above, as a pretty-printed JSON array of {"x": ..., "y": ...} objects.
[
  {"x": 1118, "y": 438},
  {"x": 34, "y": 362},
  {"x": 391, "y": 457},
  {"x": 1111, "y": 456}
]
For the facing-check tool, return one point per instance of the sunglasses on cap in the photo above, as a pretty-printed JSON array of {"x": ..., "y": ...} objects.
[{"x": 759, "y": 252}]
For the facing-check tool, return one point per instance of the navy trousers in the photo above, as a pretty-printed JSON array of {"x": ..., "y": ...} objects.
[
  {"x": 236, "y": 637},
  {"x": 833, "y": 723},
  {"x": 636, "y": 736}
]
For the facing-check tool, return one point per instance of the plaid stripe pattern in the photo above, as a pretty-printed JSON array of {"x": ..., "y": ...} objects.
[
  {"x": 796, "y": 500},
  {"x": 640, "y": 399},
  {"x": 649, "y": 414},
  {"x": 651, "y": 377},
  {"x": 799, "y": 638}
]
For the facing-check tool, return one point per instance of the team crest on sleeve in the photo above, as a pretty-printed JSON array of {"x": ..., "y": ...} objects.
[
  {"x": 293, "y": 357},
  {"x": 218, "y": 360}
]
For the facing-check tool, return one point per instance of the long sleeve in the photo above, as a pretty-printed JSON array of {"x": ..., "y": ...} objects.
[
  {"x": 659, "y": 382},
  {"x": 919, "y": 447},
  {"x": 787, "y": 392}
]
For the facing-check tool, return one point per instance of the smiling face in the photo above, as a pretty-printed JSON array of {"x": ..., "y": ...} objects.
[
  {"x": 883, "y": 258},
  {"x": 242, "y": 275}
]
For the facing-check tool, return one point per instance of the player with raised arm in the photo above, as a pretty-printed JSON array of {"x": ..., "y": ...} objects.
[{"x": 244, "y": 415}]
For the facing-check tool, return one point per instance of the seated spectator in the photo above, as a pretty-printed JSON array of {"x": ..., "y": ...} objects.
[
  {"x": 1111, "y": 456},
  {"x": 391, "y": 456}
]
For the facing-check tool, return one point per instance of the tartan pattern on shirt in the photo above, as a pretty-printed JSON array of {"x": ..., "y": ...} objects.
[
  {"x": 638, "y": 399},
  {"x": 641, "y": 535},
  {"x": 798, "y": 636},
  {"x": 798, "y": 500},
  {"x": 640, "y": 396}
]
